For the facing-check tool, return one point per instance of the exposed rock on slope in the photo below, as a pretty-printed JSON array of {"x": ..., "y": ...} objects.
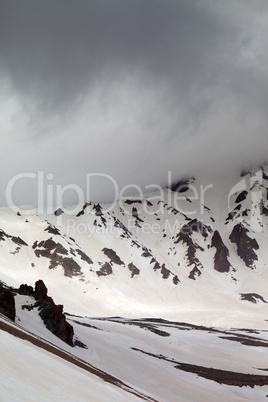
[
  {"x": 57, "y": 255},
  {"x": 113, "y": 256},
  {"x": 221, "y": 262},
  {"x": 52, "y": 314},
  {"x": 245, "y": 245},
  {"x": 7, "y": 303},
  {"x": 252, "y": 297}
]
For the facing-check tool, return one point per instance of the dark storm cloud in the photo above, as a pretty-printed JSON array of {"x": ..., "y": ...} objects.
[
  {"x": 55, "y": 49},
  {"x": 132, "y": 87}
]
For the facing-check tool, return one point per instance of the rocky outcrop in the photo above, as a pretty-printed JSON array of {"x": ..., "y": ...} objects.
[
  {"x": 245, "y": 245},
  {"x": 133, "y": 269},
  {"x": 113, "y": 256},
  {"x": 55, "y": 321},
  {"x": 165, "y": 272},
  {"x": 59, "y": 212},
  {"x": 252, "y": 297},
  {"x": 52, "y": 314},
  {"x": 242, "y": 196},
  {"x": 83, "y": 256},
  {"x": 195, "y": 226},
  {"x": 40, "y": 292},
  {"x": 194, "y": 272},
  {"x": 98, "y": 210},
  {"x": 58, "y": 255},
  {"x": 70, "y": 266},
  {"x": 53, "y": 230},
  {"x": 184, "y": 236},
  {"x": 176, "y": 280},
  {"x": 26, "y": 290},
  {"x": 16, "y": 239},
  {"x": 7, "y": 303},
  {"x": 221, "y": 263},
  {"x": 129, "y": 202},
  {"x": 106, "y": 269}
]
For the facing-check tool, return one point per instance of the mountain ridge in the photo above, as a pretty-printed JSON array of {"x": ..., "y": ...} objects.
[{"x": 164, "y": 242}]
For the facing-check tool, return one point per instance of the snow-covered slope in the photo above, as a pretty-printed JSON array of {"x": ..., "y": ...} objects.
[
  {"x": 149, "y": 359},
  {"x": 196, "y": 254}
]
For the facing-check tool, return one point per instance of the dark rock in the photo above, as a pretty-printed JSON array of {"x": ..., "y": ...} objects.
[
  {"x": 133, "y": 269},
  {"x": 195, "y": 226},
  {"x": 71, "y": 268},
  {"x": 230, "y": 216},
  {"x": 176, "y": 280},
  {"x": 263, "y": 209},
  {"x": 133, "y": 202},
  {"x": 80, "y": 213},
  {"x": 165, "y": 272},
  {"x": 26, "y": 290},
  {"x": 83, "y": 256},
  {"x": 252, "y": 297},
  {"x": 55, "y": 321},
  {"x": 245, "y": 245},
  {"x": 7, "y": 303},
  {"x": 146, "y": 252},
  {"x": 80, "y": 344},
  {"x": 52, "y": 314},
  {"x": 3, "y": 235},
  {"x": 40, "y": 292},
  {"x": 221, "y": 263},
  {"x": 136, "y": 216},
  {"x": 53, "y": 230},
  {"x": 98, "y": 210},
  {"x": 17, "y": 240},
  {"x": 113, "y": 256},
  {"x": 58, "y": 212},
  {"x": 83, "y": 210},
  {"x": 237, "y": 208},
  {"x": 184, "y": 236},
  {"x": 106, "y": 269},
  {"x": 28, "y": 307},
  {"x": 119, "y": 224},
  {"x": 264, "y": 176},
  {"x": 241, "y": 197},
  {"x": 156, "y": 266},
  {"x": 55, "y": 252},
  {"x": 194, "y": 272}
]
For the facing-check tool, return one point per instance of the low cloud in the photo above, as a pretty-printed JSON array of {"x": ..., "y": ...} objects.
[{"x": 130, "y": 89}]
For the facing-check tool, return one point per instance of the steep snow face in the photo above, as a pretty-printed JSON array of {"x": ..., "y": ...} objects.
[{"x": 196, "y": 256}]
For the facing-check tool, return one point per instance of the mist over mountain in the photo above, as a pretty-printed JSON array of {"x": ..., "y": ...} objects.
[
  {"x": 133, "y": 200},
  {"x": 130, "y": 90}
]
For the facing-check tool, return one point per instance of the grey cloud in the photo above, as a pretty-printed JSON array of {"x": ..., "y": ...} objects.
[
  {"x": 131, "y": 88},
  {"x": 55, "y": 49}
]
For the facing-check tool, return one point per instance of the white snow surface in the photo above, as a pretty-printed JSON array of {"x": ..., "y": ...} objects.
[{"x": 31, "y": 374}]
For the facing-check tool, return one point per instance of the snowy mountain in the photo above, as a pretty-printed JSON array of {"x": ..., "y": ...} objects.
[{"x": 142, "y": 268}]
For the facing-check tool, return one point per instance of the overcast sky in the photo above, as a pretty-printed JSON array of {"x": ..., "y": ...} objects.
[{"x": 130, "y": 88}]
